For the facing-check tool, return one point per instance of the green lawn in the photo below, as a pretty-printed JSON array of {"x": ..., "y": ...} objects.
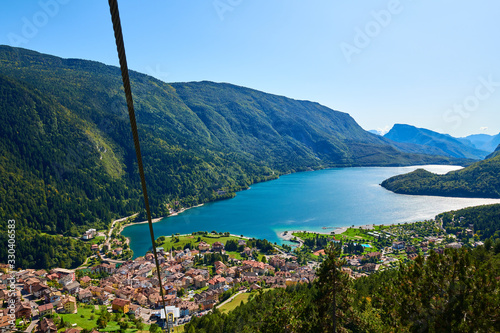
[
  {"x": 199, "y": 291},
  {"x": 235, "y": 302},
  {"x": 85, "y": 322},
  {"x": 234, "y": 254},
  {"x": 312, "y": 235},
  {"x": 183, "y": 240},
  {"x": 356, "y": 234}
]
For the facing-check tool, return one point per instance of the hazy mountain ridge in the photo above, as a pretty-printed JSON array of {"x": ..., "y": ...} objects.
[
  {"x": 433, "y": 143},
  {"x": 482, "y": 141},
  {"x": 495, "y": 153}
]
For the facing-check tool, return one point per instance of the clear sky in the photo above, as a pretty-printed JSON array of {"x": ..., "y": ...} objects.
[{"x": 432, "y": 64}]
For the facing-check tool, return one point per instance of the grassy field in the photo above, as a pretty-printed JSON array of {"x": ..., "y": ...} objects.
[
  {"x": 180, "y": 241},
  {"x": 229, "y": 306},
  {"x": 356, "y": 234},
  {"x": 86, "y": 322},
  {"x": 307, "y": 235}
]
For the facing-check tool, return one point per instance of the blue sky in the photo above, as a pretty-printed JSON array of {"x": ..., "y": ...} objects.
[{"x": 432, "y": 64}]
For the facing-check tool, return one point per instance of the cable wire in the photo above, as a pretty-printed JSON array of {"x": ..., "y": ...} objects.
[{"x": 115, "y": 17}]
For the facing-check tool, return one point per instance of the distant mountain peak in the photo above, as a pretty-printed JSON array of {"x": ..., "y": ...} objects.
[{"x": 434, "y": 142}]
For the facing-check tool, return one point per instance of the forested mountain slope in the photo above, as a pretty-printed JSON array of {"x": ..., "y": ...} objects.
[
  {"x": 68, "y": 161},
  {"x": 479, "y": 180}
]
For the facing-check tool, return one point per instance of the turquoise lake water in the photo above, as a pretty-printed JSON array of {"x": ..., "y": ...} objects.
[{"x": 306, "y": 201}]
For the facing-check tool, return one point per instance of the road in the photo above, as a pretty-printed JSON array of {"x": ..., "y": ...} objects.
[
  {"x": 31, "y": 326},
  {"x": 113, "y": 226}
]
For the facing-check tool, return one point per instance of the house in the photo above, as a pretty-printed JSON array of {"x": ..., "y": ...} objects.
[
  {"x": 47, "y": 325},
  {"x": 454, "y": 245},
  {"x": 187, "y": 264},
  {"x": 40, "y": 290},
  {"x": 216, "y": 282},
  {"x": 125, "y": 293},
  {"x": 203, "y": 246},
  {"x": 72, "y": 288},
  {"x": 106, "y": 268},
  {"x": 65, "y": 280},
  {"x": 60, "y": 272},
  {"x": 103, "y": 299},
  {"x": 89, "y": 234},
  {"x": 277, "y": 262},
  {"x": 135, "y": 310},
  {"x": 217, "y": 247},
  {"x": 69, "y": 304},
  {"x": 45, "y": 309},
  {"x": 53, "y": 297},
  {"x": 85, "y": 296},
  {"x": 141, "y": 299},
  {"x": 291, "y": 265},
  {"x": 398, "y": 245},
  {"x": 199, "y": 281},
  {"x": 255, "y": 287},
  {"x": 23, "y": 310},
  {"x": 120, "y": 304},
  {"x": 41, "y": 273},
  {"x": 85, "y": 280},
  {"x": 187, "y": 308},
  {"x": 247, "y": 251},
  {"x": 94, "y": 247},
  {"x": 373, "y": 255},
  {"x": 5, "y": 323},
  {"x": 96, "y": 291},
  {"x": 29, "y": 283},
  {"x": 169, "y": 300}
]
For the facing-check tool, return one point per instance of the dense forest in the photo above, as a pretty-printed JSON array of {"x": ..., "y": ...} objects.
[
  {"x": 453, "y": 292},
  {"x": 484, "y": 221},
  {"x": 68, "y": 163},
  {"x": 479, "y": 180}
]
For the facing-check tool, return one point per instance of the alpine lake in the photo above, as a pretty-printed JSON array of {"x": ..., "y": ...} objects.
[{"x": 318, "y": 201}]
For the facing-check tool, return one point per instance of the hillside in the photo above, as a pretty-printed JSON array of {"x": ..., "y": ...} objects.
[
  {"x": 485, "y": 221},
  {"x": 433, "y": 143},
  {"x": 479, "y": 180},
  {"x": 68, "y": 161},
  {"x": 495, "y": 153}
]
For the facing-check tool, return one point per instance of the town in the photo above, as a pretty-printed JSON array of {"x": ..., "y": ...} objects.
[{"x": 199, "y": 272}]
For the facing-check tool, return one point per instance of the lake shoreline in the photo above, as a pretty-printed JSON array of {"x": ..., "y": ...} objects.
[
  {"x": 318, "y": 202},
  {"x": 337, "y": 231},
  {"x": 158, "y": 219}
]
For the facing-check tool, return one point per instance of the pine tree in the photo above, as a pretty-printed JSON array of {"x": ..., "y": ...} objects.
[{"x": 335, "y": 288}]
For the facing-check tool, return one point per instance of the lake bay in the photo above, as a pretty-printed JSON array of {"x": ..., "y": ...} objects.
[{"x": 311, "y": 201}]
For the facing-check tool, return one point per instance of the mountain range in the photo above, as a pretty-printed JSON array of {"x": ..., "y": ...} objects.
[
  {"x": 482, "y": 141},
  {"x": 439, "y": 144},
  {"x": 68, "y": 161}
]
